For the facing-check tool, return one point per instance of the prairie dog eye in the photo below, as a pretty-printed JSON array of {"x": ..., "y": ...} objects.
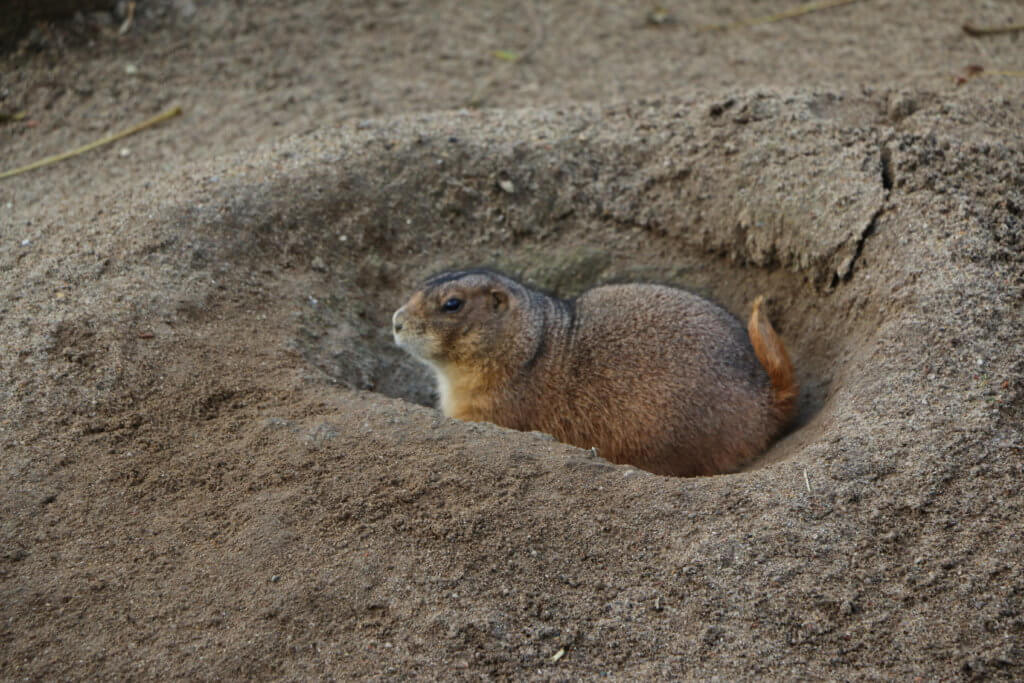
[{"x": 451, "y": 305}]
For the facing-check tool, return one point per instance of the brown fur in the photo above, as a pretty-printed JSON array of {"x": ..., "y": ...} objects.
[{"x": 653, "y": 376}]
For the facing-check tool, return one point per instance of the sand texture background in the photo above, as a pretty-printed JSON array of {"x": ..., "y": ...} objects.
[{"x": 215, "y": 464}]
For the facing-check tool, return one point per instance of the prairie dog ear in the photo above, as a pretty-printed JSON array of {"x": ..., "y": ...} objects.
[{"x": 499, "y": 299}]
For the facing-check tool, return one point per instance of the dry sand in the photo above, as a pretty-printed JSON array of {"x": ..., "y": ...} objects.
[{"x": 215, "y": 464}]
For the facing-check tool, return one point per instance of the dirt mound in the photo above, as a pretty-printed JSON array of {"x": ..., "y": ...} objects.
[
  {"x": 215, "y": 464},
  {"x": 204, "y": 475}
]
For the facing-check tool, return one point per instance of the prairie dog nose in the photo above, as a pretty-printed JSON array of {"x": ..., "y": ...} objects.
[{"x": 398, "y": 320}]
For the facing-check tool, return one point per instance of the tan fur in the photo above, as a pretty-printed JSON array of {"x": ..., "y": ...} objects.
[{"x": 653, "y": 376}]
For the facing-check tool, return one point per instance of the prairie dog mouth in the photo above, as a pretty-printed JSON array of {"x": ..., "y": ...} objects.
[
  {"x": 406, "y": 339},
  {"x": 400, "y": 332}
]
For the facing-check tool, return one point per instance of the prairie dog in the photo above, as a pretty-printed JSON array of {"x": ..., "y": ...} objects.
[{"x": 650, "y": 375}]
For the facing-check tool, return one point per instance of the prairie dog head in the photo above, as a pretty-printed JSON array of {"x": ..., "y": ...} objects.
[{"x": 458, "y": 318}]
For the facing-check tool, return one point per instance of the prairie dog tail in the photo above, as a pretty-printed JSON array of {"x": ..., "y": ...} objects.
[{"x": 769, "y": 350}]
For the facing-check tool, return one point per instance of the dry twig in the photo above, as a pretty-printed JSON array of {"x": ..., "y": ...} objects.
[
  {"x": 160, "y": 118},
  {"x": 972, "y": 30},
  {"x": 797, "y": 11}
]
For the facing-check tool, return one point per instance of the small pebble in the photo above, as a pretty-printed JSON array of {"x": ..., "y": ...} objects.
[{"x": 900, "y": 106}]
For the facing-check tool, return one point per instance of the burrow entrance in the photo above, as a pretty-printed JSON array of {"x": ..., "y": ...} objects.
[{"x": 726, "y": 201}]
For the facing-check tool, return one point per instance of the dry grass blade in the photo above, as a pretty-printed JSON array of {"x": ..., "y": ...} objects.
[
  {"x": 159, "y": 118},
  {"x": 129, "y": 18},
  {"x": 972, "y": 30},
  {"x": 797, "y": 11}
]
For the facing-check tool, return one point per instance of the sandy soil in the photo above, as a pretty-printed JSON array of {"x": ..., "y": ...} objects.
[{"x": 215, "y": 464}]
